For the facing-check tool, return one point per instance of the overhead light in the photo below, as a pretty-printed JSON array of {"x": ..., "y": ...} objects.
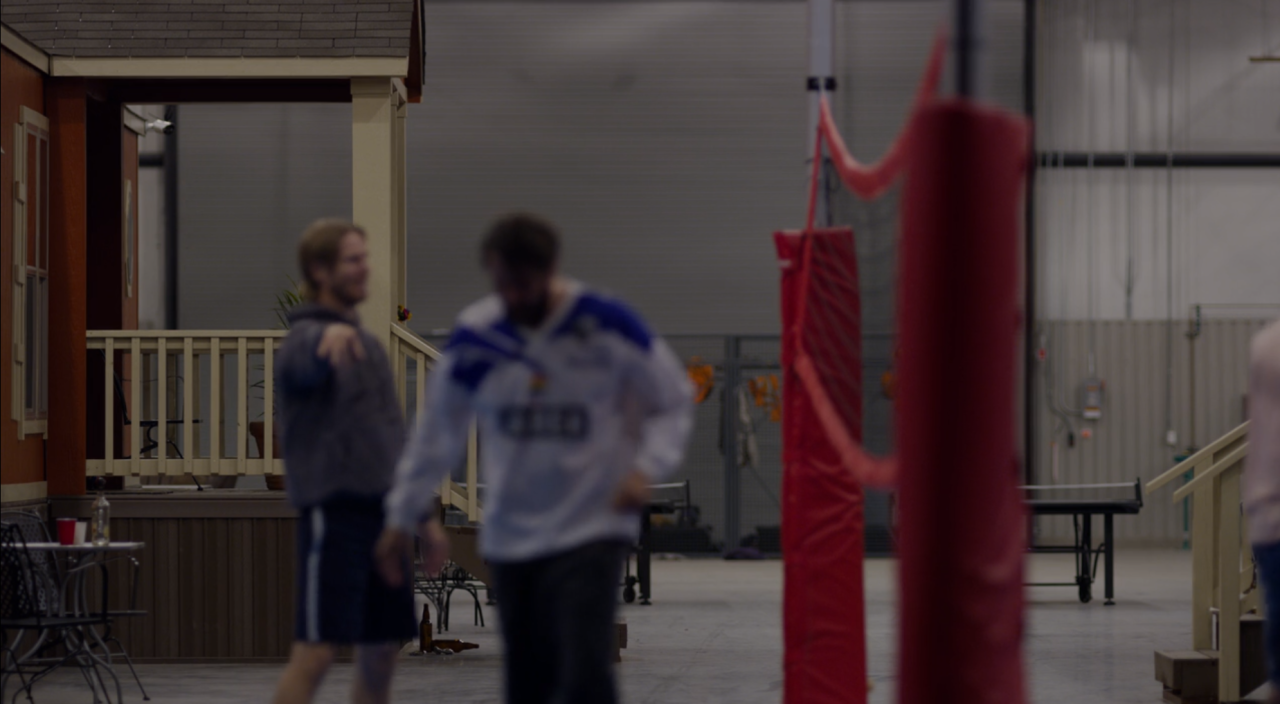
[{"x": 159, "y": 125}]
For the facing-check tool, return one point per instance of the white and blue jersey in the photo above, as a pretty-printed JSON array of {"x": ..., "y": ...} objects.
[{"x": 564, "y": 413}]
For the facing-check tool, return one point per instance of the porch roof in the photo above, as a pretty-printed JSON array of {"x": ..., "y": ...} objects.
[{"x": 197, "y": 29}]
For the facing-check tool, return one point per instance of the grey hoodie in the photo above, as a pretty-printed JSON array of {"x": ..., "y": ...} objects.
[{"x": 341, "y": 429}]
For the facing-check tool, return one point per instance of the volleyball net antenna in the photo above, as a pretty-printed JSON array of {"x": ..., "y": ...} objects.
[{"x": 955, "y": 466}]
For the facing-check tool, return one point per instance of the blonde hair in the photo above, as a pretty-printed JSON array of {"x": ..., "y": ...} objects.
[{"x": 319, "y": 245}]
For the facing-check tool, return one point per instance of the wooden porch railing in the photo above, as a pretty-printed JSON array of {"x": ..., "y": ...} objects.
[
  {"x": 411, "y": 358},
  {"x": 1221, "y": 556},
  {"x": 185, "y": 402},
  {"x": 154, "y": 384}
]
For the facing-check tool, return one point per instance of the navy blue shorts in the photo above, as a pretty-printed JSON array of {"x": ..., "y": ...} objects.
[
  {"x": 341, "y": 599},
  {"x": 1267, "y": 556}
]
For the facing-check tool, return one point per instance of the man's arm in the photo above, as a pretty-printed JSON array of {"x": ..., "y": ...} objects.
[
  {"x": 312, "y": 352},
  {"x": 664, "y": 385},
  {"x": 437, "y": 445}
]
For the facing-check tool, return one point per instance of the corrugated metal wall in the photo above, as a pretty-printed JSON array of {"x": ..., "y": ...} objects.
[
  {"x": 666, "y": 138},
  {"x": 1129, "y": 441},
  {"x": 250, "y": 178}
]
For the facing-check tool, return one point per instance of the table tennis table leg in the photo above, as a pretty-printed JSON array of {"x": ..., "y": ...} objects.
[
  {"x": 1084, "y": 572},
  {"x": 1109, "y": 546},
  {"x": 644, "y": 556}
]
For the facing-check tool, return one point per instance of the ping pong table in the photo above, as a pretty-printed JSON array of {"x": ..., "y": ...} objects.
[
  {"x": 643, "y": 549},
  {"x": 1082, "y": 512}
]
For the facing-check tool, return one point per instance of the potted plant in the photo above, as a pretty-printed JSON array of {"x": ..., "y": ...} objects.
[{"x": 286, "y": 300}]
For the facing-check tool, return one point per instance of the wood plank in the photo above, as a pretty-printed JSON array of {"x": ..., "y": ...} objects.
[
  {"x": 397, "y": 371},
  {"x": 109, "y": 393},
  {"x": 189, "y": 450},
  {"x": 236, "y": 604},
  {"x": 135, "y": 407},
  {"x": 266, "y": 543},
  {"x": 96, "y": 337},
  {"x": 165, "y": 635},
  {"x": 162, "y": 406},
  {"x": 183, "y": 504},
  {"x": 223, "y": 578},
  {"x": 228, "y": 466},
  {"x": 268, "y": 404},
  {"x": 251, "y": 618},
  {"x": 242, "y": 406},
  {"x": 1229, "y": 583},
  {"x": 194, "y": 577},
  {"x": 420, "y": 381},
  {"x": 147, "y": 644},
  {"x": 215, "y": 408},
  {"x": 288, "y": 576},
  {"x": 1203, "y": 563}
]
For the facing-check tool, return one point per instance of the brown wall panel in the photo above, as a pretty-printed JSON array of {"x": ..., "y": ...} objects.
[
  {"x": 217, "y": 574},
  {"x": 21, "y": 461},
  {"x": 66, "y": 105}
]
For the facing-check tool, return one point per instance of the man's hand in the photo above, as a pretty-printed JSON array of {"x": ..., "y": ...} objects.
[
  {"x": 391, "y": 554},
  {"x": 433, "y": 547},
  {"x": 633, "y": 493},
  {"x": 340, "y": 344}
]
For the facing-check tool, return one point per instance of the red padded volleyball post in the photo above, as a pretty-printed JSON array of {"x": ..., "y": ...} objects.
[{"x": 960, "y": 513}]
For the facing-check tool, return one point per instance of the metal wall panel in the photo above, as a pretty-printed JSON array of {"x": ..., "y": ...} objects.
[
  {"x": 250, "y": 178},
  {"x": 667, "y": 139},
  {"x": 1129, "y": 441}
]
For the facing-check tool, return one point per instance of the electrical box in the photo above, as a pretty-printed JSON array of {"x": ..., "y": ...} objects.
[{"x": 1091, "y": 398}]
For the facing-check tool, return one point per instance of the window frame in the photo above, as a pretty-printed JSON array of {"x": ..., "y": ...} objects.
[{"x": 30, "y": 365}]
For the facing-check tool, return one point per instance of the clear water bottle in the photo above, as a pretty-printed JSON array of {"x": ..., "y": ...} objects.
[{"x": 100, "y": 523}]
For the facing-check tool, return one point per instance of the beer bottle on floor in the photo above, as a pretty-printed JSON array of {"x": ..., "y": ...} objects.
[{"x": 424, "y": 630}]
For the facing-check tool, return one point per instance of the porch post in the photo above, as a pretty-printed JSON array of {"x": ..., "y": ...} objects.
[
  {"x": 400, "y": 251},
  {"x": 66, "y": 104},
  {"x": 374, "y": 103}
]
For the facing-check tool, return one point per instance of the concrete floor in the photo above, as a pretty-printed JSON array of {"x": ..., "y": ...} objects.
[{"x": 713, "y": 636}]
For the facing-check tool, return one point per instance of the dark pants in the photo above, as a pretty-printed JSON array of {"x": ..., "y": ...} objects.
[
  {"x": 1268, "y": 558},
  {"x": 558, "y": 623}
]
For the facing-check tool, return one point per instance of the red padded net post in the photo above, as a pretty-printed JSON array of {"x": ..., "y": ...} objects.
[
  {"x": 960, "y": 513},
  {"x": 823, "y": 619}
]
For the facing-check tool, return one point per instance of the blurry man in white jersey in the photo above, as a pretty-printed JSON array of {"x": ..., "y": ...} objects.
[
  {"x": 580, "y": 409},
  {"x": 1261, "y": 486}
]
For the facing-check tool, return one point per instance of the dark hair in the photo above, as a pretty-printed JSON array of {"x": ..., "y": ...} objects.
[
  {"x": 319, "y": 245},
  {"x": 522, "y": 241}
]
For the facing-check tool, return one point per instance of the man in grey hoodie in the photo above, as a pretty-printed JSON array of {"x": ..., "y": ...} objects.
[{"x": 342, "y": 431}]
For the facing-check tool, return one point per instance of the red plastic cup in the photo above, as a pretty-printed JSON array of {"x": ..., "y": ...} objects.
[{"x": 67, "y": 531}]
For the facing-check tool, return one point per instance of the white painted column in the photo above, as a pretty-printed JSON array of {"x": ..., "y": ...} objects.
[
  {"x": 374, "y": 104},
  {"x": 402, "y": 230}
]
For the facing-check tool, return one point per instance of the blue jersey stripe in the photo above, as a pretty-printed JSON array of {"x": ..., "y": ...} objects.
[
  {"x": 475, "y": 356},
  {"x": 593, "y": 313}
]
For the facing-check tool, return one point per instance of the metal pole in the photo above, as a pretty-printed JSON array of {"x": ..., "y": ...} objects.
[
  {"x": 821, "y": 81},
  {"x": 1030, "y": 275},
  {"x": 970, "y": 44}
]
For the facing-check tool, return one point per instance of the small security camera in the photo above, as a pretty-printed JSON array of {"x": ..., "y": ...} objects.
[{"x": 159, "y": 125}]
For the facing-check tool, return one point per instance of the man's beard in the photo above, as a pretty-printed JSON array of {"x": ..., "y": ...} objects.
[
  {"x": 347, "y": 296},
  {"x": 531, "y": 315}
]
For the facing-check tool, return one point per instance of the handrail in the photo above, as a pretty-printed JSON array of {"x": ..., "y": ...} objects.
[
  {"x": 1236, "y": 457},
  {"x": 172, "y": 334},
  {"x": 1199, "y": 456},
  {"x": 168, "y": 393},
  {"x": 406, "y": 346},
  {"x": 417, "y": 343}
]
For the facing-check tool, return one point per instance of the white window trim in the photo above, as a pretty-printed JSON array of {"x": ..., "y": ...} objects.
[{"x": 27, "y": 426}]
